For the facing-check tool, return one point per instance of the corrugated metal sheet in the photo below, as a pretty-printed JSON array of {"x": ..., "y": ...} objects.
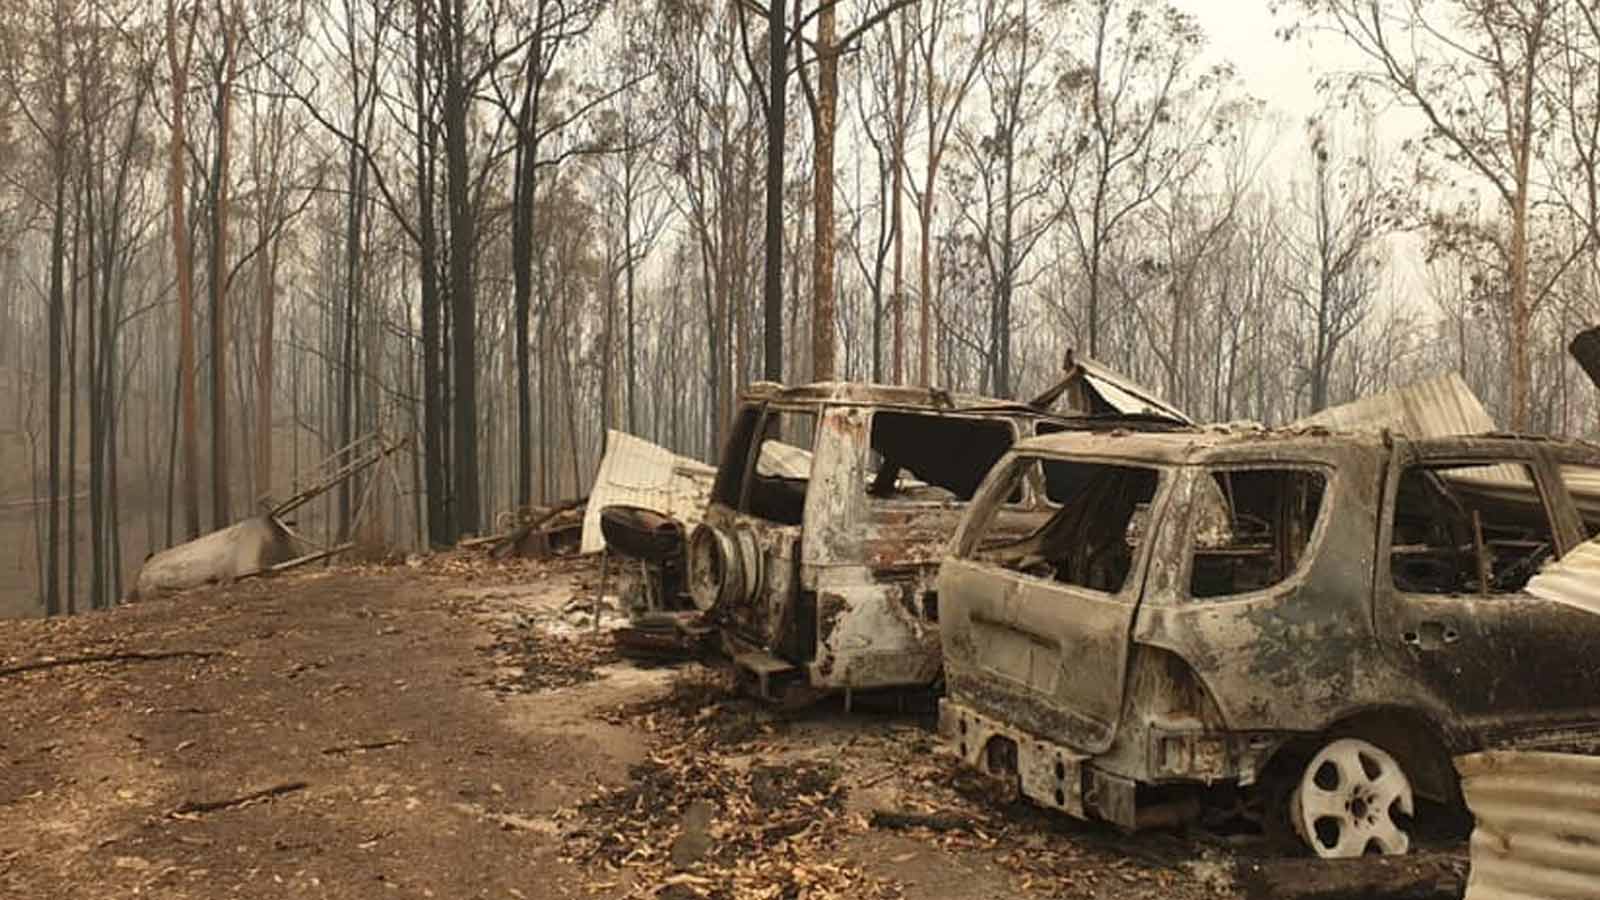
[
  {"x": 1438, "y": 407},
  {"x": 1574, "y": 580},
  {"x": 1584, "y": 483},
  {"x": 1442, "y": 407},
  {"x": 1127, "y": 397},
  {"x": 636, "y": 472},
  {"x": 1538, "y": 825}
]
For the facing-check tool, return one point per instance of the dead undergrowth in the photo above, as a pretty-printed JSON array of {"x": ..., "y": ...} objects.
[{"x": 708, "y": 816}]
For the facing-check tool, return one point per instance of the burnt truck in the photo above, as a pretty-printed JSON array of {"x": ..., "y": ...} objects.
[
  {"x": 1313, "y": 623},
  {"x": 833, "y": 505}
]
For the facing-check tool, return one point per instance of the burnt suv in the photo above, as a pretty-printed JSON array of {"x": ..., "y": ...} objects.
[
  {"x": 1313, "y": 624},
  {"x": 833, "y": 506}
]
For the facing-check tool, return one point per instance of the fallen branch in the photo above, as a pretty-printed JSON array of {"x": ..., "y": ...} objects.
[
  {"x": 374, "y": 745},
  {"x": 361, "y": 453},
  {"x": 931, "y": 821},
  {"x": 299, "y": 561},
  {"x": 124, "y": 656},
  {"x": 469, "y": 543},
  {"x": 191, "y": 807}
]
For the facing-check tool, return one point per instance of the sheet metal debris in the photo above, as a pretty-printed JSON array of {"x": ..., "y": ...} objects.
[
  {"x": 1538, "y": 825},
  {"x": 244, "y": 548},
  {"x": 1574, "y": 579},
  {"x": 1437, "y": 407},
  {"x": 1124, "y": 396},
  {"x": 1088, "y": 388},
  {"x": 1444, "y": 406},
  {"x": 638, "y": 473}
]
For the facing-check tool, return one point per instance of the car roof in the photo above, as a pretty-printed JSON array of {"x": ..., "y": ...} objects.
[
  {"x": 1223, "y": 442},
  {"x": 903, "y": 397},
  {"x": 855, "y": 393},
  {"x": 1120, "y": 401}
]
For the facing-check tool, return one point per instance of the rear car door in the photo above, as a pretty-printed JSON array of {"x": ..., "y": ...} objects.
[{"x": 1036, "y": 630}]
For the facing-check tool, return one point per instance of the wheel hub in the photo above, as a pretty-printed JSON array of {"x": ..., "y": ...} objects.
[{"x": 1347, "y": 800}]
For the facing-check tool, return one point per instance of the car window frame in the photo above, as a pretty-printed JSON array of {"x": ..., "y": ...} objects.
[
  {"x": 891, "y": 502},
  {"x": 1536, "y": 467},
  {"x": 753, "y": 452},
  {"x": 966, "y": 538},
  {"x": 1313, "y": 549}
]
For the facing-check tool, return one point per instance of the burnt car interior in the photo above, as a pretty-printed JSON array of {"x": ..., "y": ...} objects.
[
  {"x": 1251, "y": 528},
  {"x": 947, "y": 457},
  {"x": 777, "y": 488},
  {"x": 1090, "y": 540},
  {"x": 917, "y": 456},
  {"x": 1468, "y": 529}
]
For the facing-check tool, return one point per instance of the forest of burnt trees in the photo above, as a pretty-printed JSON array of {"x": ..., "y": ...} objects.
[{"x": 237, "y": 235}]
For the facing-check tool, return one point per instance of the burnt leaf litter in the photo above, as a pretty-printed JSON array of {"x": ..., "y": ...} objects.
[
  {"x": 738, "y": 800},
  {"x": 734, "y": 799}
]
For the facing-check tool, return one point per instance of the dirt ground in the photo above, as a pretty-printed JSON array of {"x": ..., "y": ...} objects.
[{"x": 456, "y": 729}]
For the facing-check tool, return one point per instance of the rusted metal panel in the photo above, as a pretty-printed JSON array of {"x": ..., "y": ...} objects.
[
  {"x": 1437, "y": 407},
  {"x": 850, "y": 393},
  {"x": 1047, "y": 773},
  {"x": 1538, "y": 825},
  {"x": 638, "y": 473},
  {"x": 869, "y": 633}
]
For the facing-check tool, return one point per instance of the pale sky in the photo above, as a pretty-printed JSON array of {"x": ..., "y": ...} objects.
[
  {"x": 1284, "y": 74},
  {"x": 1281, "y": 72}
]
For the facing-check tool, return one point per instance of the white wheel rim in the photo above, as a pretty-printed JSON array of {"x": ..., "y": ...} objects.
[{"x": 1345, "y": 802}]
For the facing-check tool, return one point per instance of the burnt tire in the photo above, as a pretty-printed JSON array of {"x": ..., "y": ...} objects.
[{"x": 640, "y": 533}]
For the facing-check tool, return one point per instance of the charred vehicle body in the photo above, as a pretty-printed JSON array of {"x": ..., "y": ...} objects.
[
  {"x": 1313, "y": 623},
  {"x": 833, "y": 506}
]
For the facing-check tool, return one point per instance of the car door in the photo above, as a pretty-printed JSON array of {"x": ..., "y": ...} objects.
[
  {"x": 1451, "y": 605},
  {"x": 1043, "y": 643}
]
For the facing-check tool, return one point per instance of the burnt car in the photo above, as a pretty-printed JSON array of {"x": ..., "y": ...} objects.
[
  {"x": 833, "y": 505},
  {"x": 1309, "y": 624}
]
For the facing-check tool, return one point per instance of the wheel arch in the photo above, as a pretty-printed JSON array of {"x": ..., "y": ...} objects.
[{"x": 1424, "y": 746}]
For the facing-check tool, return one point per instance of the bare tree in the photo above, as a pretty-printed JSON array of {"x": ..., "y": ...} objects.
[
  {"x": 1471, "y": 70},
  {"x": 276, "y": 139},
  {"x": 550, "y": 28},
  {"x": 949, "y": 60},
  {"x": 178, "y": 61},
  {"x": 823, "y": 100},
  {"x": 37, "y": 75},
  {"x": 229, "y": 22},
  {"x": 1145, "y": 122},
  {"x": 1004, "y": 188},
  {"x": 1337, "y": 259}
]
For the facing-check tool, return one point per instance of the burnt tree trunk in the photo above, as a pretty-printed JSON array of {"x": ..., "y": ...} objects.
[
  {"x": 435, "y": 472},
  {"x": 221, "y": 514},
  {"x": 463, "y": 242},
  {"x": 823, "y": 301},
  {"x": 777, "y": 122}
]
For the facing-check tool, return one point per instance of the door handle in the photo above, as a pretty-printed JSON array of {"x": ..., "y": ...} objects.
[{"x": 1432, "y": 634}]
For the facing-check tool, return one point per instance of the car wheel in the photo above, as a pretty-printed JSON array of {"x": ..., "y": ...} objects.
[{"x": 1352, "y": 799}]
